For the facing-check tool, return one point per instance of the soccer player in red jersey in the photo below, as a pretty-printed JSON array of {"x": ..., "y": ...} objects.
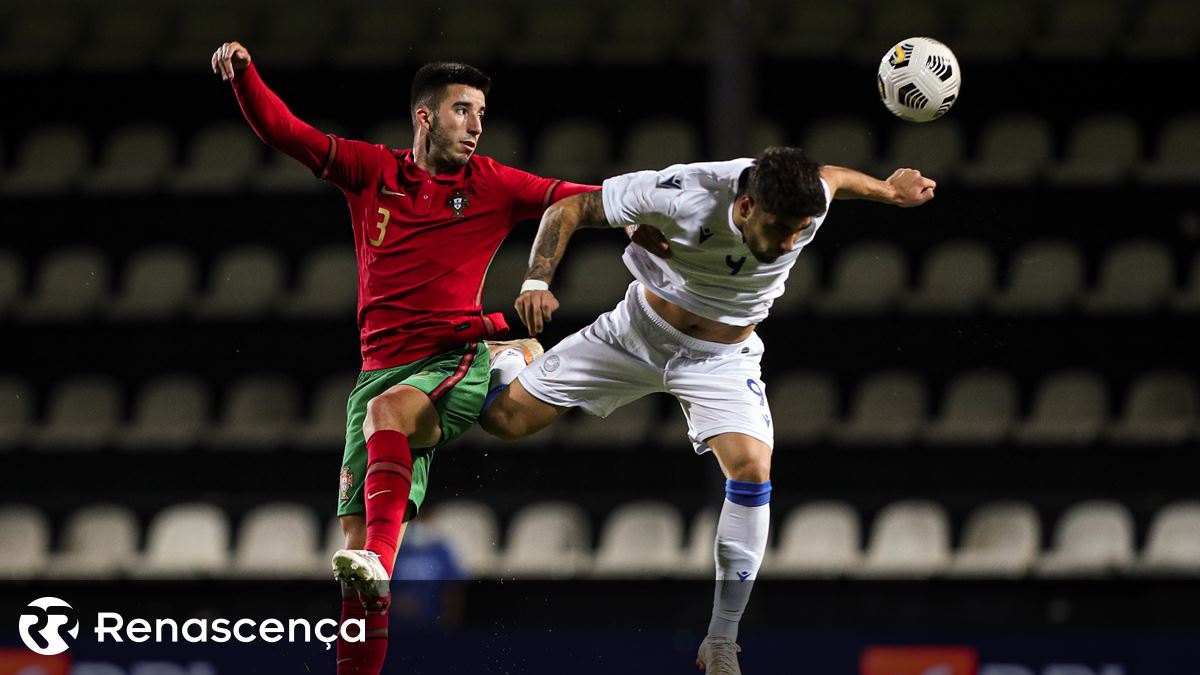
[{"x": 426, "y": 223}]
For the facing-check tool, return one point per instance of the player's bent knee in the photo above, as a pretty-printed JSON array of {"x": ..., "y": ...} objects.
[
  {"x": 503, "y": 423},
  {"x": 752, "y": 467}
]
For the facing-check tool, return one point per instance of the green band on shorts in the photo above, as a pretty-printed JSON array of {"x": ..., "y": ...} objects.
[{"x": 456, "y": 382}]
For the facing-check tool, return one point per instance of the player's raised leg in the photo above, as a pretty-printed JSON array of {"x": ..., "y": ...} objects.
[
  {"x": 513, "y": 413},
  {"x": 740, "y": 544}
]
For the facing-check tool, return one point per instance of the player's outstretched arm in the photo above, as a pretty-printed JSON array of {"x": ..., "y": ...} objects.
[
  {"x": 266, "y": 113},
  {"x": 536, "y": 307},
  {"x": 904, "y": 188}
]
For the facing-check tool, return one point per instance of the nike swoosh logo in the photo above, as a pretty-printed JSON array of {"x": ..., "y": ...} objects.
[
  {"x": 386, "y": 191},
  {"x": 376, "y": 494}
]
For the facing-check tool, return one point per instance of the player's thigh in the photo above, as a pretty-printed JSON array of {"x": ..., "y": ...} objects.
[
  {"x": 723, "y": 396},
  {"x": 406, "y": 409},
  {"x": 741, "y": 457},
  {"x": 598, "y": 369},
  {"x": 515, "y": 413}
]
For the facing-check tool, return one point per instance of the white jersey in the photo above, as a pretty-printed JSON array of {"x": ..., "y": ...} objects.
[{"x": 711, "y": 271}]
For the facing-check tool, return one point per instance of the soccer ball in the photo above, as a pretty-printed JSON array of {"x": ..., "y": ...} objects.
[{"x": 918, "y": 79}]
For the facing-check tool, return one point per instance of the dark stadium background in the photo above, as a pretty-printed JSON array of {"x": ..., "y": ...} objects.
[{"x": 712, "y": 80}]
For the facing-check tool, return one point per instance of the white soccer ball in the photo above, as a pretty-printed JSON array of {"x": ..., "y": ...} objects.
[{"x": 919, "y": 79}]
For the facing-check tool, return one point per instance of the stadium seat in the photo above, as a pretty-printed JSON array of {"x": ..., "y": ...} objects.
[
  {"x": 99, "y": 541},
  {"x": 375, "y": 39},
  {"x": 82, "y": 414},
  {"x": 504, "y": 142},
  {"x": 553, "y": 33},
  {"x": 298, "y": 37},
  {"x": 671, "y": 432},
  {"x": 276, "y": 541},
  {"x": 122, "y": 39},
  {"x": 1173, "y": 544},
  {"x": 887, "y": 22},
  {"x": 258, "y": 412},
  {"x": 909, "y": 539},
  {"x": 25, "y": 540},
  {"x": 1013, "y": 151},
  {"x": 282, "y": 174},
  {"x": 397, "y": 133},
  {"x": 1069, "y": 408},
  {"x": 994, "y": 30},
  {"x": 133, "y": 160},
  {"x": 821, "y": 29},
  {"x": 575, "y": 150},
  {"x": 699, "y": 560},
  {"x": 936, "y": 150},
  {"x": 39, "y": 38},
  {"x": 1044, "y": 277},
  {"x": 1177, "y": 157},
  {"x": 1093, "y": 538},
  {"x": 547, "y": 540},
  {"x": 643, "y": 33},
  {"x": 626, "y": 427},
  {"x": 50, "y": 161},
  {"x": 325, "y": 428},
  {"x": 889, "y": 407},
  {"x": 12, "y": 281},
  {"x": 328, "y": 285},
  {"x": 472, "y": 531},
  {"x": 844, "y": 141},
  {"x": 71, "y": 284},
  {"x": 593, "y": 279},
  {"x": 158, "y": 284},
  {"x": 1161, "y": 408},
  {"x": 764, "y": 133},
  {"x": 474, "y": 31},
  {"x": 244, "y": 283},
  {"x": 16, "y": 411},
  {"x": 820, "y": 539},
  {"x": 1187, "y": 299},
  {"x": 200, "y": 29},
  {"x": 803, "y": 285},
  {"x": 221, "y": 158},
  {"x": 655, "y": 144},
  {"x": 171, "y": 413},
  {"x": 1165, "y": 29},
  {"x": 186, "y": 540},
  {"x": 1102, "y": 150},
  {"x": 1000, "y": 539},
  {"x": 1081, "y": 30},
  {"x": 804, "y": 406},
  {"x": 979, "y": 408},
  {"x": 1135, "y": 276},
  {"x": 640, "y": 539},
  {"x": 868, "y": 277},
  {"x": 504, "y": 277},
  {"x": 956, "y": 277}
]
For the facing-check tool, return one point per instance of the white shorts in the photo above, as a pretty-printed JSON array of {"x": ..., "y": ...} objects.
[{"x": 631, "y": 351}]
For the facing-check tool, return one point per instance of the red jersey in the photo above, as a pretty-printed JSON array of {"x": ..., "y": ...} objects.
[{"x": 423, "y": 242}]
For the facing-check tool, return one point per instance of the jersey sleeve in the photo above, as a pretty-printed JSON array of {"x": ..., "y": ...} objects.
[
  {"x": 353, "y": 165},
  {"x": 532, "y": 195},
  {"x": 642, "y": 197}
]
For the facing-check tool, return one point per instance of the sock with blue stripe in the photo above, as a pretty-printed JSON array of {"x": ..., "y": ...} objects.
[{"x": 738, "y": 550}]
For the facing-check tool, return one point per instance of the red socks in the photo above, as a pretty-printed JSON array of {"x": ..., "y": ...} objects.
[
  {"x": 386, "y": 487},
  {"x": 364, "y": 658}
]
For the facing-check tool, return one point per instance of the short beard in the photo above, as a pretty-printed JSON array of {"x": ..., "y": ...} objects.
[{"x": 438, "y": 145}]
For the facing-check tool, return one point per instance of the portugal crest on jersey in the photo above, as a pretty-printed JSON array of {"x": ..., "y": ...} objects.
[{"x": 459, "y": 200}]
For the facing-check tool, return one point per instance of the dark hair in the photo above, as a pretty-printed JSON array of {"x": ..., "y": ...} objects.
[
  {"x": 785, "y": 183},
  {"x": 433, "y": 78}
]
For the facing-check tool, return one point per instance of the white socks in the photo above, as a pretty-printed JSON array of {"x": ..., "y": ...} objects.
[
  {"x": 739, "y": 548},
  {"x": 505, "y": 367}
]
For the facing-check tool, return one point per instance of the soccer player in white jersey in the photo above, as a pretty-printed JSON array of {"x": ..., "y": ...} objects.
[{"x": 686, "y": 327}]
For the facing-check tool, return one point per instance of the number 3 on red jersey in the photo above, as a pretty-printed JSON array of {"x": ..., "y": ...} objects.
[{"x": 382, "y": 225}]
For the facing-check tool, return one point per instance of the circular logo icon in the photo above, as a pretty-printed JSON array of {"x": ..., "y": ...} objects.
[
  {"x": 551, "y": 363},
  {"x": 43, "y": 623}
]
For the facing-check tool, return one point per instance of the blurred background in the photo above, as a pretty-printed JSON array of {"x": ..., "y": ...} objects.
[{"x": 986, "y": 415}]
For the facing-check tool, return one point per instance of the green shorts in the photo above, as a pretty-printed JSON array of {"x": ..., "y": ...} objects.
[{"x": 456, "y": 382}]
